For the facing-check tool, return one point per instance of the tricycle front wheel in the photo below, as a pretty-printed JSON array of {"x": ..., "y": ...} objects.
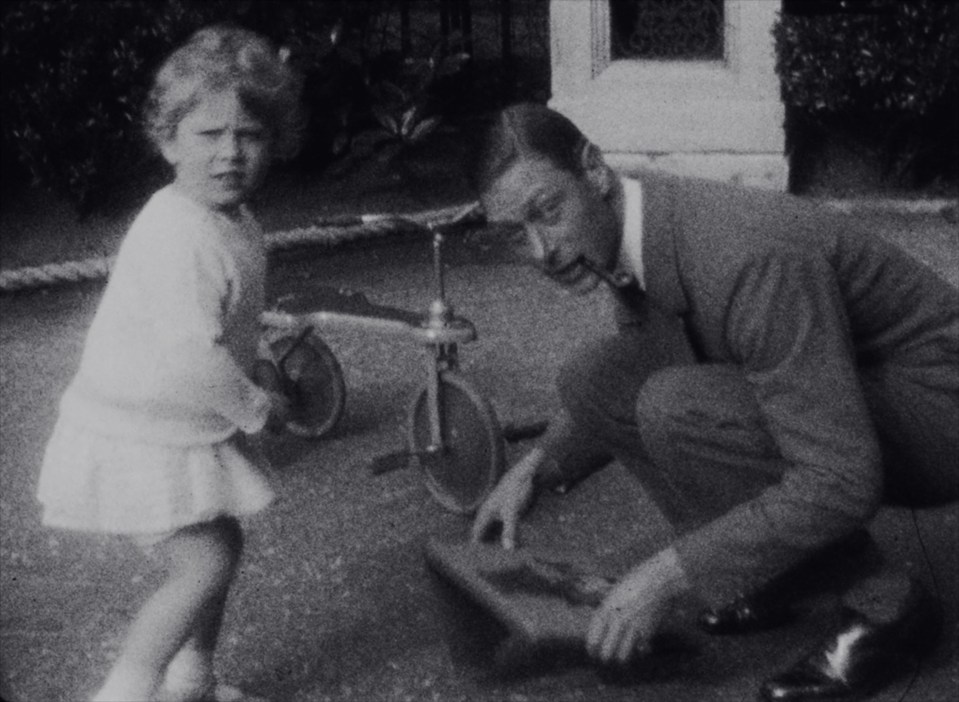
[{"x": 461, "y": 474}]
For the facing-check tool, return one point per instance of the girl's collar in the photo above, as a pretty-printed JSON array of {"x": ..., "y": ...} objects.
[{"x": 238, "y": 215}]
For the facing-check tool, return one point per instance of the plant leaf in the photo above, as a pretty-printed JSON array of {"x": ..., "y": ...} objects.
[
  {"x": 386, "y": 120},
  {"x": 424, "y": 129}
]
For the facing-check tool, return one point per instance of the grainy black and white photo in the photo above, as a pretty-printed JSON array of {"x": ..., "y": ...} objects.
[{"x": 479, "y": 350}]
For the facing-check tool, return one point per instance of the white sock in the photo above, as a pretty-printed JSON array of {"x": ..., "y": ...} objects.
[{"x": 189, "y": 673}]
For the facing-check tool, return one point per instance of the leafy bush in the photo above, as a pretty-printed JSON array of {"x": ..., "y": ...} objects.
[
  {"x": 401, "y": 103},
  {"x": 76, "y": 74},
  {"x": 879, "y": 70},
  {"x": 71, "y": 90}
]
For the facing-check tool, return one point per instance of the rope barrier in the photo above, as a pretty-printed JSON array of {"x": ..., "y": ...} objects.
[
  {"x": 329, "y": 232},
  {"x": 55, "y": 273}
]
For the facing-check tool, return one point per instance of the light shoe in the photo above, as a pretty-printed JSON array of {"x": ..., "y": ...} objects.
[{"x": 218, "y": 692}]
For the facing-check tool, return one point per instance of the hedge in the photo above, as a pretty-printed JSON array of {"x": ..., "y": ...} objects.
[
  {"x": 885, "y": 71},
  {"x": 75, "y": 74}
]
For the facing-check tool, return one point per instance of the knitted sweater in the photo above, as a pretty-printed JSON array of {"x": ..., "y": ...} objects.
[{"x": 167, "y": 354}]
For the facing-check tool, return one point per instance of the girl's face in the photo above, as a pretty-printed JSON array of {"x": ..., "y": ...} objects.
[{"x": 220, "y": 152}]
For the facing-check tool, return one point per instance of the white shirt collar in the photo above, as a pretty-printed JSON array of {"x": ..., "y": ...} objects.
[{"x": 631, "y": 250}]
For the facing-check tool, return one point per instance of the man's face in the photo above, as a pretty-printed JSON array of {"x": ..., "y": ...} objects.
[{"x": 564, "y": 217}]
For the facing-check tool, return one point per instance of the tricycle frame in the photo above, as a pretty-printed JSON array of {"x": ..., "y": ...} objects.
[{"x": 457, "y": 478}]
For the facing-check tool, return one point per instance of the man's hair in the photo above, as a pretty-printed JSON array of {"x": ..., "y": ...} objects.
[
  {"x": 526, "y": 130},
  {"x": 223, "y": 57}
]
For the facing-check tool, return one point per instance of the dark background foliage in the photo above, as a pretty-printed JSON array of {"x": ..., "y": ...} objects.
[
  {"x": 877, "y": 77},
  {"x": 75, "y": 74}
]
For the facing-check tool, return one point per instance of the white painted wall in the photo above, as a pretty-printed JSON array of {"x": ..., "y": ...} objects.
[{"x": 719, "y": 119}]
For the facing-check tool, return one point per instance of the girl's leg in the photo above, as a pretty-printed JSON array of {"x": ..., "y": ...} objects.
[
  {"x": 201, "y": 561},
  {"x": 190, "y": 674}
]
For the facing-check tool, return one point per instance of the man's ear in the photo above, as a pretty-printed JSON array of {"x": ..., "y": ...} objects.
[{"x": 595, "y": 168}]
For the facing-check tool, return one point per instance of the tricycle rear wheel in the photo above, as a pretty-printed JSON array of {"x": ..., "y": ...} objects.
[{"x": 313, "y": 381}]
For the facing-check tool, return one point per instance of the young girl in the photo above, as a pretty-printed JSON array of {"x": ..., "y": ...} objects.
[{"x": 150, "y": 438}]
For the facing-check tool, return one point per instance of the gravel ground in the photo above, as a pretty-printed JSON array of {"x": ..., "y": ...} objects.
[{"x": 333, "y": 601}]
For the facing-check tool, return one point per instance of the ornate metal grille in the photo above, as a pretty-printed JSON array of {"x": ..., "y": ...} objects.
[{"x": 690, "y": 30}]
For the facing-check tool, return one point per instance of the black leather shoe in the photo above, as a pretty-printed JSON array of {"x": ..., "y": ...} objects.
[
  {"x": 862, "y": 655},
  {"x": 744, "y": 615},
  {"x": 772, "y": 605}
]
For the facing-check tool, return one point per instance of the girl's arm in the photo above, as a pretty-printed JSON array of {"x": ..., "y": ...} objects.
[{"x": 188, "y": 298}]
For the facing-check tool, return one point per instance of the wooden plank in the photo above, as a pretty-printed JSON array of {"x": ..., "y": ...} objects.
[{"x": 541, "y": 598}]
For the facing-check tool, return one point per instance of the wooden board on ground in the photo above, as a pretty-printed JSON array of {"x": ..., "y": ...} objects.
[{"x": 540, "y": 597}]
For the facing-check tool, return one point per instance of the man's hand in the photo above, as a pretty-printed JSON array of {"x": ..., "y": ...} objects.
[
  {"x": 509, "y": 499},
  {"x": 631, "y": 613}
]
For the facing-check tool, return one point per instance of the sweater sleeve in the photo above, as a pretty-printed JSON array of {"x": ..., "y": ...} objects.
[
  {"x": 189, "y": 295},
  {"x": 786, "y": 325}
]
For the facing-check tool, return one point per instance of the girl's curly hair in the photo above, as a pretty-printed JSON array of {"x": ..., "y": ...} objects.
[{"x": 220, "y": 58}]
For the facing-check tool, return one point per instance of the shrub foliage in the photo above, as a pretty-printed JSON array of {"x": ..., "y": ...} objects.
[
  {"x": 888, "y": 69},
  {"x": 75, "y": 75}
]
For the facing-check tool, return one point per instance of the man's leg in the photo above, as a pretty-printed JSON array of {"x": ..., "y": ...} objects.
[
  {"x": 599, "y": 384},
  {"x": 916, "y": 414},
  {"x": 705, "y": 440},
  {"x": 693, "y": 437},
  {"x": 888, "y": 620},
  {"x": 691, "y": 433}
]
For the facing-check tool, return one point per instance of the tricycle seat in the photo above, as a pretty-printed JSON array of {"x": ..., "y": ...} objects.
[{"x": 344, "y": 302}]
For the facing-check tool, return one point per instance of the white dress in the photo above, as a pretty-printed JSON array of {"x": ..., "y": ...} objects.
[{"x": 150, "y": 433}]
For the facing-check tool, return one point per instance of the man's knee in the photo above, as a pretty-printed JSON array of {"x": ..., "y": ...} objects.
[
  {"x": 699, "y": 401},
  {"x": 603, "y": 377},
  {"x": 664, "y": 399}
]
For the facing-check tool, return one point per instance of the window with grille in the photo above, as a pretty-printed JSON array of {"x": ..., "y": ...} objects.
[{"x": 676, "y": 30}]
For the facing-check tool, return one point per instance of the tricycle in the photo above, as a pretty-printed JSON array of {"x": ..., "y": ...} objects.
[{"x": 454, "y": 436}]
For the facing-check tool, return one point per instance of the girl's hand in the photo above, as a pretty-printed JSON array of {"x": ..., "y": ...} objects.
[
  {"x": 509, "y": 499},
  {"x": 631, "y": 613},
  {"x": 280, "y": 411}
]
